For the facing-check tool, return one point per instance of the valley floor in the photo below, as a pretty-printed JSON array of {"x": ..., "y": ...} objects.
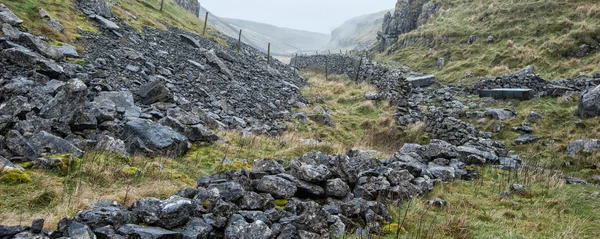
[{"x": 485, "y": 207}]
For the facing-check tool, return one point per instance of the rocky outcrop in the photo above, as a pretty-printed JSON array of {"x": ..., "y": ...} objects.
[
  {"x": 192, "y": 6},
  {"x": 7, "y": 16},
  {"x": 99, "y": 7},
  {"x": 408, "y": 16}
]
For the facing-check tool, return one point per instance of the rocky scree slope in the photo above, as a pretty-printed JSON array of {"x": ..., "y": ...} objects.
[{"x": 131, "y": 92}]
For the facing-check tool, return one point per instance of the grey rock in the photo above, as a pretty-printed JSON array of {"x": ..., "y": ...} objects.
[
  {"x": 370, "y": 188},
  {"x": 80, "y": 231},
  {"x": 37, "y": 225},
  {"x": 526, "y": 139},
  {"x": 438, "y": 149},
  {"x": 105, "y": 23},
  {"x": 518, "y": 188},
  {"x": 41, "y": 46},
  {"x": 20, "y": 146},
  {"x": 239, "y": 228},
  {"x": 154, "y": 92},
  {"x": 67, "y": 103},
  {"x": 107, "y": 102},
  {"x": 228, "y": 191},
  {"x": 466, "y": 151},
  {"x": 160, "y": 139},
  {"x": 11, "y": 32},
  {"x": 278, "y": 187},
  {"x": 68, "y": 50},
  {"x": 104, "y": 213},
  {"x": 308, "y": 235},
  {"x": 143, "y": 232},
  {"x": 169, "y": 213},
  {"x": 45, "y": 142},
  {"x": 50, "y": 21},
  {"x": 10, "y": 231},
  {"x": 301, "y": 116},
  {"x": 372, "y": 96},
  {"x": 21, "y": 56},
  {"x": 99, "y": 7},
  {"x": 422, "y": 81},
  {"x": 7, "y": 165},
  {"x": 196, "y": 228},
  {"x": 337, "y": 188},
  {"x": 190, "y": 40},
  {"x": 109, "y": 144},
  {"x": 268, "y": 166},
  {"x": 442, "y": 173},
  {"x": 308, "y": 172},
  {"x": 589, "y": 103},
  {"x": 576, "y": 181},
  {"x": 324, "y": 119},
  {"x": 7, "y": 16},
  {"x": 438, "y": 202},
  {"x": 212, "y": 58},
  {"x": 500, "y": 114}
]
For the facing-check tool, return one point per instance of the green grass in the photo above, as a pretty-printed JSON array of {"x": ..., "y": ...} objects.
[
  {"x": 541, "y": 33},
  {"x": 147, "y": 12},
  {"x": 557, "y": 129},
  {"x": 475, "y": 209}
]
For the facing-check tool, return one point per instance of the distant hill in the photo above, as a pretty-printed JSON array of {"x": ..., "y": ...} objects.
[
  {"x": 356, "y": 33},
  {"x": 284, "y": 41}
]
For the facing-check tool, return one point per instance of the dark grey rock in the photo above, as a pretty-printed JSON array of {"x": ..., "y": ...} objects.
[
  {"x": 526, "y": 139},
  {"x": 160, "y": 139},
  {"x": 239, "y": 228},
  {"x": 576, "y": 181},
  {"x": 11, "y": 32},
  {"x": 500, "y": 114},
  {"x": 7, "y": 16},
  {"x": 104, "y": 213},
  {"x": 45, "y": 142},
  {"x": 324, "y": 119},
  {"x": 466, "y": 151},
  {"x": 10, "y": 231},
  {"x": 533, "y": 117},
  {"x": 105, "y": 23},
  {"x": 212, "y": 58},
  {"x": 50, "y": 21},
  {"x": 7, "y": 165},
  {"x": 196, "y": 228},
  {"x": 143, "y": 232},
  {"x": 190, "y": 40},
  {"x": 80, "y": 231},
  {"x": 438, "y": 202},
  {"x": 422, "y": 81},
  {"x": 268, "y": 166},
  {"x": 278, "y": 187},
  {"x": 99, "y": 7},
  {"x": 337, "y": 188},
  {"x": 41, "y": 46},
  {"x": 589, "y": 103},
  {"x": 107, "y": 104},
  {"x": 507, "y": 93},
  {"x": 308, "y": 172},
  {"x": 154, "y": 92},
  {"x": 442, "y": 173},
  {"x": 169, "y": 213}
]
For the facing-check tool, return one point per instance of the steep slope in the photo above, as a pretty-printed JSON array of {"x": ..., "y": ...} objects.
[
  {"x": 452, "y": 38},
  {"x": 357, "y": 33},
  {"x": 284, "y": 41}
]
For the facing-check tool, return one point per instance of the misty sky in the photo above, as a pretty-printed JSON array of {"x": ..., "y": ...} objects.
[{"x": 311, "y": 15}]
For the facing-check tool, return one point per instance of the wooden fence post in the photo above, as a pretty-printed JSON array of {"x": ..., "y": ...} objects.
[
  {"x": 327, "y": 67},
  {"x": 358, "y": 69},
  {"x": 240, "y": 41},
  {"x": 269, "y": 54},
  {"x": 295, "y": 62},
  {"x": 205, "y": 22}
]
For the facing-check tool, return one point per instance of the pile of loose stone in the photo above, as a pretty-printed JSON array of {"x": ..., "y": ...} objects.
[
  {"x": 316, "y": 196},
  {"x": 148, "y": 93}
]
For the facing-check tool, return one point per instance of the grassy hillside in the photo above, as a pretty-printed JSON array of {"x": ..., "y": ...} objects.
[
  {"x": 543, "y": 33},
  {"x": 138, "y": 13}
]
